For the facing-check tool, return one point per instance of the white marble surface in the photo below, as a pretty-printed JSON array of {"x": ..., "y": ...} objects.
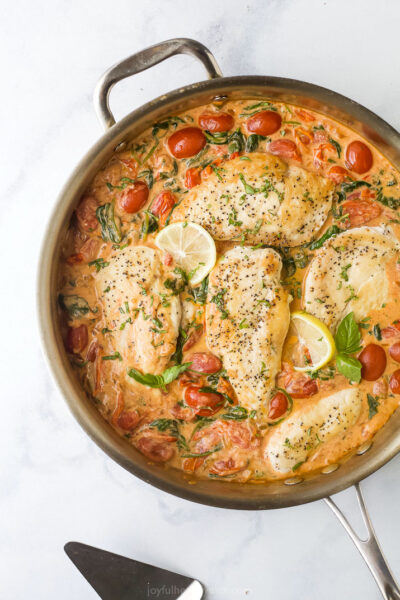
[{"x": 55, "y": 484}]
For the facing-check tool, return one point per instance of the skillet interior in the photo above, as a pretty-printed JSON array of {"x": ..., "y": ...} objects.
[{"x": 223, "y": 494}]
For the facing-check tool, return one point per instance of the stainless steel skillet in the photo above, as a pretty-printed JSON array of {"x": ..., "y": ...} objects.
[{"x": 295, "y": 490}]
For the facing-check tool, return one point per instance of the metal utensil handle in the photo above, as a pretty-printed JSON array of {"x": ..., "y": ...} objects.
[
  {"x": 144, "y": 60},
  {"x": 369, "y": 549}
]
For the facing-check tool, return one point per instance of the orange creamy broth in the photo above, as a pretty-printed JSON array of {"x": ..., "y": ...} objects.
[{"x": 231, "y": 449}]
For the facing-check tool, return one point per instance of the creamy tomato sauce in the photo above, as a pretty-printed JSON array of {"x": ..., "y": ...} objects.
[{"x": 197, "y": 422}]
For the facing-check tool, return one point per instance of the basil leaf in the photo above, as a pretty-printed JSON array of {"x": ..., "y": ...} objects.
[
  {"x": 158, "y": 381},
  {"x": 372, "y": 405},
  {"x": 110, "y": 230},
  {"x": 237, "y": 413},
  {"x": 348, "y": 338},
  {"x": 76, "y": 306},
  {"x": 174, "y": 372},
  {"x": 153, "y": 381},
  {"x": 333, "y": 230},
  {"x": 349, "y": 367},
  {"x": 193, "y": 455},
  {"x": 199, "y": 293}
]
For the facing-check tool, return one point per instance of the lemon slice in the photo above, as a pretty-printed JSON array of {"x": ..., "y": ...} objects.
[
  {"x": 314, "y": 342},
  {"x": 192, "y": 248}
]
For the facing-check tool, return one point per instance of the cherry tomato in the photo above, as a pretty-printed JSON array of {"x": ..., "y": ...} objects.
[
  {"x": 77, "y": 339},
  {"x": 338, "y": 173},
  {"x": 394, "y": 351},
  {"x": 391, "y": 331},
  {"x": 186, "y": 142},
  {"x": 304, "y": 116},
  {"x": 74, "y": 259},
  {"x": 284, "y": 149},
  {"x": 155, "y": 448},
  {"x": 359, "y": 157},
  {"x": 191, "y": 464},
  {"x": 373, "y": 360},
  {"x": 360, "y": 211},
  {"x": 205, "y": 404},
  {"x": 227, "y": 467},
  {"x": 86, "y": 213},
  {"x": 162, "y": 206},
  {"x": 204, "y": 362},
  {"x": 264, "y": 122},
  {"x": 301, "y": 386},
  {"x": 277, "y": 406},
  {"x": 133, "y": 198},
  {"x": 192, "y": 178},
  {"x": 394, "y": 382},
  {"x": 128, "y": 419},
  {"x": 193, "y": 338},
  {"x": 92, "y": 351},
  {"x": 241, "y": 434},
  {"x": 216, "y": 121},
  {"x": 302, "y": 135}
]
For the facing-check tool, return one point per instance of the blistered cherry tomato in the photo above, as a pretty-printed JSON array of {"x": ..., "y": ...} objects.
[
  {"x": 277, "y": 406},
  {"x": 186, "y": 142},
  {"x": 216, "y": 121},
  {"x": 394, "y": 382},
  {"x": 284, "y": 149},
  {"x": 193, "y": 338},
  {"x": 86, "y": 213},
  {"x": 394, "y": 351},
  {"x": 205, "y": 404},
  {"x": 301, "y": 386},
  {"x": 155, "y": 448},
  {"x": 360, "y": 211},
  {"x": 373, "y": 360},
  {"x": 77, "y": 339},
  {"x": 128, "y": 419},
  {"x": 359, "y": 157},
  {"x": 204, "y": 362},
  {"x": 133, "y": 198},
  {"x": 192, "y": 178},
  {"x": 162, "y": 206},
  {"x": 338, "y": 173},
  {"x": 264, "y": 122}
]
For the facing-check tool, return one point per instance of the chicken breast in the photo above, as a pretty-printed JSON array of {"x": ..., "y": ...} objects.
[
  {"x": 349, "y": 273},
  {"x": 259, "y": 200},
  {"x": 144, "y": 326},
  {"x": 292, "y": 442},
  {"x": 247, "y": 318}
]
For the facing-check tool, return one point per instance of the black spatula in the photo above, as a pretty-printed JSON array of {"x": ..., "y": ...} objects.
[{"x": 115, "y": 577}]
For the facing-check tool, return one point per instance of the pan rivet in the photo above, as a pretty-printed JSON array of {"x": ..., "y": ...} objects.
[
  {"x": 120, "y": 146},
  {"x": 364, "y": 448},
  {"x": 293, "y": 480},
  {"x": 329, "y": 469}
]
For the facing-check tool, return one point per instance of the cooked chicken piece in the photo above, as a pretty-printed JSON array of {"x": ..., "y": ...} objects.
[
  {"x": 247, "y": 318},
  {"x": 349, "y": 273},
  {"x": 144, "y": 327},
  {"x": 260, "y": 200},
  {"x": 291, "y": 442}
]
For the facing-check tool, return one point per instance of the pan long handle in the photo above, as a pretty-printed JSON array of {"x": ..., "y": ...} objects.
[
  {"x": 369, "y": 549},
  {"x": 144, "y": 60}
]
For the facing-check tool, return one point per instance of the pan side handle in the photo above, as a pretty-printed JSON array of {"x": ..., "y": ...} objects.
[
  {"x": 369, "y": 548},
  {"x": 144, "y": 60}
]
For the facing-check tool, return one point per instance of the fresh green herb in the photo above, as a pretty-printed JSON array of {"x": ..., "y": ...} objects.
[
  {"x": 124, "y": 324},
  {"x": 298, "y": 465},
  {"x": 163, "y": 126},
  {"x": 322, "y": 374},
  {"x": 344, "y": 274},
  {"x": 330, "y": 232},
  {"x": 349, "y": 367},
  {"x": 158, "y": 381},
  {"x": 389, "y": 201},
  {"x": 76, "y": 306},
  {"x": 99, "y": 263},
  {"x": 218, "y": 137},
  {"x": 377, "y": 332},
  {"x": 288, "y": 444},
  {"x": 106, "y": 330},
  {"x": 236, "y": 142},
  {"x": 236, "y": 413},
  {"x": 110, "y": 228},
  {"x": 348, "y": 338},
  {"x": 257, "y": 107},
  {"x": 149, "y": 224},
  {"x": 253, "y": 141},
  {"x": 232, "y": 219},
  {"x": 243, "y": 324},
  {"x": 201, "y": 454},
  {"x": 180, "y": 342},
  {"x": 249, "y": 189},
  {"x": 372, "y": 405},
  {"x": 199, "y": 293},
  {"x": 115, "y": 356},
  {"x": 171, "y": 425},
  {"x": 218, "y": 300},
  {"x": 336, "y": 145}
]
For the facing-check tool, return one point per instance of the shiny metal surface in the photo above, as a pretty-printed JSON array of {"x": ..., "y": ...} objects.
[
  {"x": 222, "y": 494},
  {"x": 369, "y": 548}
]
